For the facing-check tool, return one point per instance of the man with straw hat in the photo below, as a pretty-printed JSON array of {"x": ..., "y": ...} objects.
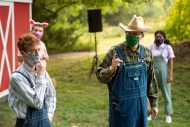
[{"x": 127, "y": 69}]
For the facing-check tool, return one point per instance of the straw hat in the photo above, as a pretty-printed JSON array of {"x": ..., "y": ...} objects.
[{"x": 135, "y": 25}]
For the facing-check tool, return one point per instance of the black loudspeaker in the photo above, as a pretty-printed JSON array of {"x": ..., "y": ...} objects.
[{"x": 94, "y": 20}]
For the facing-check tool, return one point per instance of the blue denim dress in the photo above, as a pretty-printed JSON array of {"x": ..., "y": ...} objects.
[
  {"x": 34, "y": 117},
  {"x": 128, "y": 96}
]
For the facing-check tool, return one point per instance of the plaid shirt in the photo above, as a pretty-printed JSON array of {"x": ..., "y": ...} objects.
[
  {"x": 104, "y": 75},
  {"x": 21, "y": 95}
]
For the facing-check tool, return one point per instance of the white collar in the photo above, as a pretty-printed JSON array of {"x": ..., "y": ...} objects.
[{"x": 28, "y": 69}]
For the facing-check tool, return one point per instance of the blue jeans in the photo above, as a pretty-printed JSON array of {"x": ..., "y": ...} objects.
[{"x": 35, "y": 118}]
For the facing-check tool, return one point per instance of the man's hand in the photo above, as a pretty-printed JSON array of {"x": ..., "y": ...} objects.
[
  {"x": 154, "y": 112},
  {"x": 116, "y": 62},
  {"x": 40, "y": 68}
]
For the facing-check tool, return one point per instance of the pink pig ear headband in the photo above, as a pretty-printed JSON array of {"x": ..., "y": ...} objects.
[{"x": 44, "y": 24}]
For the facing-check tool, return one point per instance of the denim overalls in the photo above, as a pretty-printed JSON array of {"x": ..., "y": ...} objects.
[
  {"x": 161, "y": 72},
  {"x": 128, "y": 96},
  {"x": 34, "y": 117}
]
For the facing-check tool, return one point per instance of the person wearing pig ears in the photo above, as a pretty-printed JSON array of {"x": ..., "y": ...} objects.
[
  {"x": 163, "y": 55},
  {"x": 37, "y": 30},
  {"x": 31, "y": 93},
  {"x": 128, "y": 71}
]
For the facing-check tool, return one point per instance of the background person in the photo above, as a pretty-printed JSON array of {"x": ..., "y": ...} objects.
[
  {"x": 37, "y": 30},
  {"x": 163, "y": 64}
]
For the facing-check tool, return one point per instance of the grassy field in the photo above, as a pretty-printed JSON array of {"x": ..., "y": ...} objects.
[
  {"x": 83, "y": 102},
  {"x": 111, "y": 36}
]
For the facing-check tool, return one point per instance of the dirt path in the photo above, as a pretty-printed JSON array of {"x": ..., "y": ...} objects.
[{"x": 71, "y": 55}]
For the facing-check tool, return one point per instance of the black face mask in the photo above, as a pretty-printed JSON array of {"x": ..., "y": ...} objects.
[{"x": 158, "y": 42}]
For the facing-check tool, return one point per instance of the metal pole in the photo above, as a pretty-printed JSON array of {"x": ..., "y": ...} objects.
[
  {"x": 96, "y": 53},
  {"x": 95, "y": 58}
]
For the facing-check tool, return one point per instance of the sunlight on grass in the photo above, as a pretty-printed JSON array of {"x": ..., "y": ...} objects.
[
  {"x": 83, "y": 102},
  {"x": 111, "y": 36}
]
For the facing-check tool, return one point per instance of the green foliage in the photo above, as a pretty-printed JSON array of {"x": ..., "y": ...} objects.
[
  {"x": 178, "y": 21},
  {"x": 68, "y": 19},
  {"x": 127, "y": 10},
  {"x": 63, "y": 17}
]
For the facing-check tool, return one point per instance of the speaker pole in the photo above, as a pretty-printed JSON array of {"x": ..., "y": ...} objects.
[
  {"x": 95, "y": 59},
  {"x": 96, "y": 53},
  {"x": 95, "y": 25}
]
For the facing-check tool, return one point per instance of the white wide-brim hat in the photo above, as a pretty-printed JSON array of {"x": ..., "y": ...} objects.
[{"x": 135, "y": 25}]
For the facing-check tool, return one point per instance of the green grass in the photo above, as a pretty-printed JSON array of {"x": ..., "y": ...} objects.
[
  {"x": 83, "y": 102},
  {"x": 112, "y": 36},
  {"x": 180, "y": 98}
]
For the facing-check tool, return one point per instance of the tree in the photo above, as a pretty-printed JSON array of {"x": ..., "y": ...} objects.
[
  {"x": 178, "y": 21},
  {"x": 150, "y": 9},
  {"x": 68, "y": 18}
]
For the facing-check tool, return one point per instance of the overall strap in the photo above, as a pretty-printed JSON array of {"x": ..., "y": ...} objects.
[
  {"x": 31, "y": 84},
  {"x": 141, "y": 53},
  {"x": 120, "y": 53},
  {"x": 163, "y": 50}
]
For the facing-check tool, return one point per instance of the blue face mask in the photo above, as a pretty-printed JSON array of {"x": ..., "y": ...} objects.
[
  {"x": 158, "y": 42},
  {"x": 32, "y": 59}
]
